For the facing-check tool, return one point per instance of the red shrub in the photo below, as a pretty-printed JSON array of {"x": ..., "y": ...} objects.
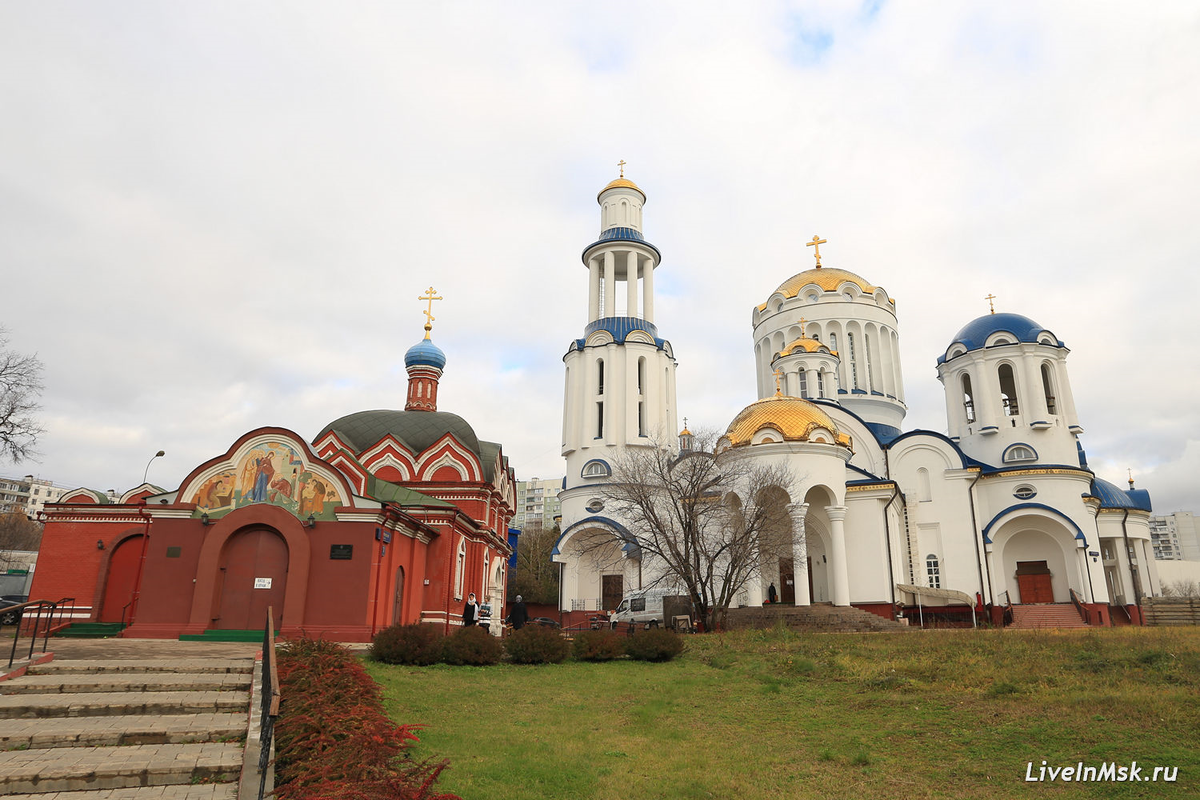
[
  {"x": 599, "y": 645},
  {"x": 332, "y": 738}
]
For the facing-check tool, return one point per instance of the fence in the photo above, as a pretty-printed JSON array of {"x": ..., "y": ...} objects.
[
  {"x": 1171, "y": 610},
  {"x": 269, "y": 702},
  {"x": 44, "y": 613}
]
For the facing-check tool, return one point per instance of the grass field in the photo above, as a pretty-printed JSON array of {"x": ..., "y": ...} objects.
[{"x": 774, "y": 714}]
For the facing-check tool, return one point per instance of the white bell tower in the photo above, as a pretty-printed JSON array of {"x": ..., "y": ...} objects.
[{"x": 620, "y": 377}]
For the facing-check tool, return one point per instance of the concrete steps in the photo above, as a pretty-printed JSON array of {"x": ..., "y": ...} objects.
[
  {"x": 125, "y": 729},
  {"x": 820, "y": 618},
  {"x": 1050, "y": 615}
]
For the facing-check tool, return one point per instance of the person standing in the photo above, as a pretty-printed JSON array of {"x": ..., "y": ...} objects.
[
  {"x": 470, "y": 611},
  {"x": 771, "y": 593},
  {"x": 519, "y": 615}
]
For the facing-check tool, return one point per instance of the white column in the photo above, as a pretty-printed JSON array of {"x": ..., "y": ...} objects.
[
  {"x": 648, "y": 291},
  {"x": 800, "y": 553},
  {"x": 841, "y": 575},
  {"x": 631, "y": 292},
  {"x": 593, "y": 290},
  {"x": 610, "y": 284}
]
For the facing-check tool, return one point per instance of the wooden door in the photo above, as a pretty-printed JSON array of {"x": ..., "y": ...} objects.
[
  {"x": 611, "y": 591},
  {"x": 258, "y": 556},
  {"x": 787, "y": 580},
  {"x": 119, "y": 586},
  {"x": 1034, "y": 582},
  {"x": 398, "y": 598}
]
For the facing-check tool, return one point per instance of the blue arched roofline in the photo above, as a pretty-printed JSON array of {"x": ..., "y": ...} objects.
[
  {"x": 596, "y": 521},
  {"x": 1054, "y": 512}
]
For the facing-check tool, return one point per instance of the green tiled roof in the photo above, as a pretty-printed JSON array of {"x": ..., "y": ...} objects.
[{"x": 402, "y": 496}]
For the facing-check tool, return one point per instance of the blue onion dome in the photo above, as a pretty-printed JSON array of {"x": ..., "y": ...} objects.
[
  {"x": 426, "y": 354},
  {"x": 974, "y": 335}
]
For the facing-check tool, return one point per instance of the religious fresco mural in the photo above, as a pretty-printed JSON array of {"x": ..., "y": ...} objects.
[{"x": 272, "y": 472}]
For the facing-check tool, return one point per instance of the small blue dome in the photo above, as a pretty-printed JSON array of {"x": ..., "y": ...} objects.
[
  {"x": 425, "y": 353},
  {"x": 1113, "y": 496},
  {"x": 974, "y": 334}
]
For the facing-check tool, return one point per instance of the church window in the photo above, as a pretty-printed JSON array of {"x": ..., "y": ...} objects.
[
  {"x": 968, "y": 398},
  {"x": 600, "y": 377},
  {"x": 934, "y": 570},
  {"x": 460, "y": 568},
  {"x": 1008, "y": 390},
  {"x": 484, "y": 588},
  {"x": 833, "y": 342},
  {"x": 641, "y": 375},
  {"x": 641, "y": 418},
  {"x": 867, "y": 356},
  {"x": 1048, "y": 388},
  {"x": 596, "y": 469},
  {"x": 1019, "y": 452},
  {"x": 1025, "y": 492},
  {"x": 600, "y": 420},
  {"x": 853, "y": 361},
  {"x": 803, "y": 383},
  {"x": 821, "y": 383}
]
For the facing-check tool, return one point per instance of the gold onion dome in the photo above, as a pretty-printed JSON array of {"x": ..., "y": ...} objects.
[
  {"x": 827, "y": 278},
  {"x": 623, "y": 183},
  {"x": 806, "y": 345},
  {"x": 794, "y": 418}
]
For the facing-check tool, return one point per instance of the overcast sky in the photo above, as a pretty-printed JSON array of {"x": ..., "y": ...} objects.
[{"x": 219, "y": 216}]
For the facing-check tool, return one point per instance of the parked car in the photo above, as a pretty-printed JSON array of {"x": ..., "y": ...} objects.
[
  {"x": 545, "y": 622},
  {"x": 8, "y": 601}
]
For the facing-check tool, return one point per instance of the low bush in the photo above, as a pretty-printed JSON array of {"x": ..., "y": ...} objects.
[
  {"x": 472, "y": 646},
  {"x": 332, "y": 739},
  {"x": 656, "y": 644},
  {"x": 415, "y": 644},
  {"x": 534, "y": 644},
  {"x": 599, "y": 645}
]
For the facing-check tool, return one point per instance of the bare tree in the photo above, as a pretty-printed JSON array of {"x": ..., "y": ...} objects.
[
  {"x": 705, "y": 523},
  {"x": 20, "y": 385},
  {"x": 17, "y": 532},
  {"x": 536, "y": 575}
]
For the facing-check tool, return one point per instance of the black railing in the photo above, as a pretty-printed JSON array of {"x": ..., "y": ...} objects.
[
  {"x": 45, "y": 611},
  {"x": 269, "y": 702},
  {"x": 1007, "y": 618},
  {"x": 1084, "y": 613}
]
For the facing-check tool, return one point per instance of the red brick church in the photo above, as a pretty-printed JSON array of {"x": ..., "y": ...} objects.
[{"x": 386, "y": 517}]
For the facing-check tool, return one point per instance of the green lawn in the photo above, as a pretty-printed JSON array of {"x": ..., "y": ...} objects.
[{"x": 773, "y": 714}]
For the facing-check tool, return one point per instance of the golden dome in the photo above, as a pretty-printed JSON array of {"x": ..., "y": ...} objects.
[
  {"x": 807, "y": 345},
  {"x": 794, "y": 418},
  {"x": 623, "y": 183},
  {"x": 828, "y": 278}
]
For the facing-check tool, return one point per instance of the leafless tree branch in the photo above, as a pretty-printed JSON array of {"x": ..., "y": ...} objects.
[{"x": 20, "y": 385}]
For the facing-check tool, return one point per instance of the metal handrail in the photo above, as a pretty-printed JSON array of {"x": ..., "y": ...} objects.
[
  {"x": 269, "y": 702},
  {"x": 40, "y": 605},
  {"x": 1007, "y": 618},
  {"x": 1084, "y": 612}
]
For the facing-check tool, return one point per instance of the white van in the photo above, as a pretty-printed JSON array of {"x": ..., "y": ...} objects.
[{"x": 645, "y": 607}]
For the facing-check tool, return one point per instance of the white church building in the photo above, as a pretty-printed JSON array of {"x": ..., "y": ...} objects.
[{"x": 1001, "y": 511}]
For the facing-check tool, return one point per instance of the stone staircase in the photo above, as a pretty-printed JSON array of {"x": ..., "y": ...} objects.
[
  {"x": 169, "y": 729},
  {"x": 1050, "y": 615},
  {"x": 820, "y": 617}
]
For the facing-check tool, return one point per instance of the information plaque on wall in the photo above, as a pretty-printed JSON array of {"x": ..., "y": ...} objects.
[
  {"x": 341, "y": 552},
  {"x": 262, "y": 583}
]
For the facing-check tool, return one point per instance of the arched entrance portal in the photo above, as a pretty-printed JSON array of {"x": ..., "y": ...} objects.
[
  {"x": 119, "y": 584},
  {"x": 253, "y": 576}
]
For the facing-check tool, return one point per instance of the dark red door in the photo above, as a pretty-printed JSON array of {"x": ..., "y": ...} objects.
[
  {"x": 254, "y": 566},
  {"x": 787, "y": 577},
  {"x": 122, "y": 573},
  {"x": 1033, "y": 582}
]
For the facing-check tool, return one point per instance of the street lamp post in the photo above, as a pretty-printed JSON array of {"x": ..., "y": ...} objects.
[{"x": 159, "y": 454}]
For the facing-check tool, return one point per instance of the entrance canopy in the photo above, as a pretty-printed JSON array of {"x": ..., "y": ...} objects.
[{"x": 944, "y": 594}]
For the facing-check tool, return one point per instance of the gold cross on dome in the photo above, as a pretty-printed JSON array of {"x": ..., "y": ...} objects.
[
  {"x": 803, "y": 335},
  {"x": 778, "y": 390},
  {"x": 621, "y": 164},
  {"x": 991, "y": 306},
  {"x": 815, "y": 244},
  {"x": 429, "y": 318}
]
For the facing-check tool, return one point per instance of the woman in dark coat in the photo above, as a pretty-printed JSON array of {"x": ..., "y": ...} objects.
[
  {"x": 470, "y": 611},
  {"x": 518, "y": 616}
]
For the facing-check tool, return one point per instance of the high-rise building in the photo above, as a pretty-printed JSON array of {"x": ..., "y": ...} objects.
[
  {"x": 537, "y": 501},
  {"x": 1176, "y": 537}
]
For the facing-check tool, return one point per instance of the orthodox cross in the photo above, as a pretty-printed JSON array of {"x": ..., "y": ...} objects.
[
  {"x": 990, "y": 298},
  {"x": 815, "y": 244},
  {"x": 1130, "y": 469},
  {"x": 778, "y": 375},
  {"x": 430, "y": 296},
  {"x": 685, "y": 423},
  {"x": 621, "y": 164},
  {"x": 803, "y": 335}
]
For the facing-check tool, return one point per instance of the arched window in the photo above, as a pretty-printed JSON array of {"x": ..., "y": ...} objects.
[
  {"x": 968, "y": 398},
  {"x": 460, "y": 568},
  {"x": 600, "y": 420},
  {"x": 484, "y": 573},
  {"x": 833, "y": 342},
  {"x": 1019, "y": 452},
  {"x": 821, "y": 383},
  {"x": 933, "y": 570},
  {"x": 867, "y": 357},
  {"x": 600, "y": 376},
  {"x": 596, "y": 469},
  {"x": 1048, "y": 388},
  {"x": 1008, "y": 390},
  {"x": 853, "y": 362},
  {"x": 803, "y": 383},
  {"x": 641, "y": 375}
]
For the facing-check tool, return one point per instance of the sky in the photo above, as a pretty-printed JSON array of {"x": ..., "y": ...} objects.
[{"x": 219, "y": 216}]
